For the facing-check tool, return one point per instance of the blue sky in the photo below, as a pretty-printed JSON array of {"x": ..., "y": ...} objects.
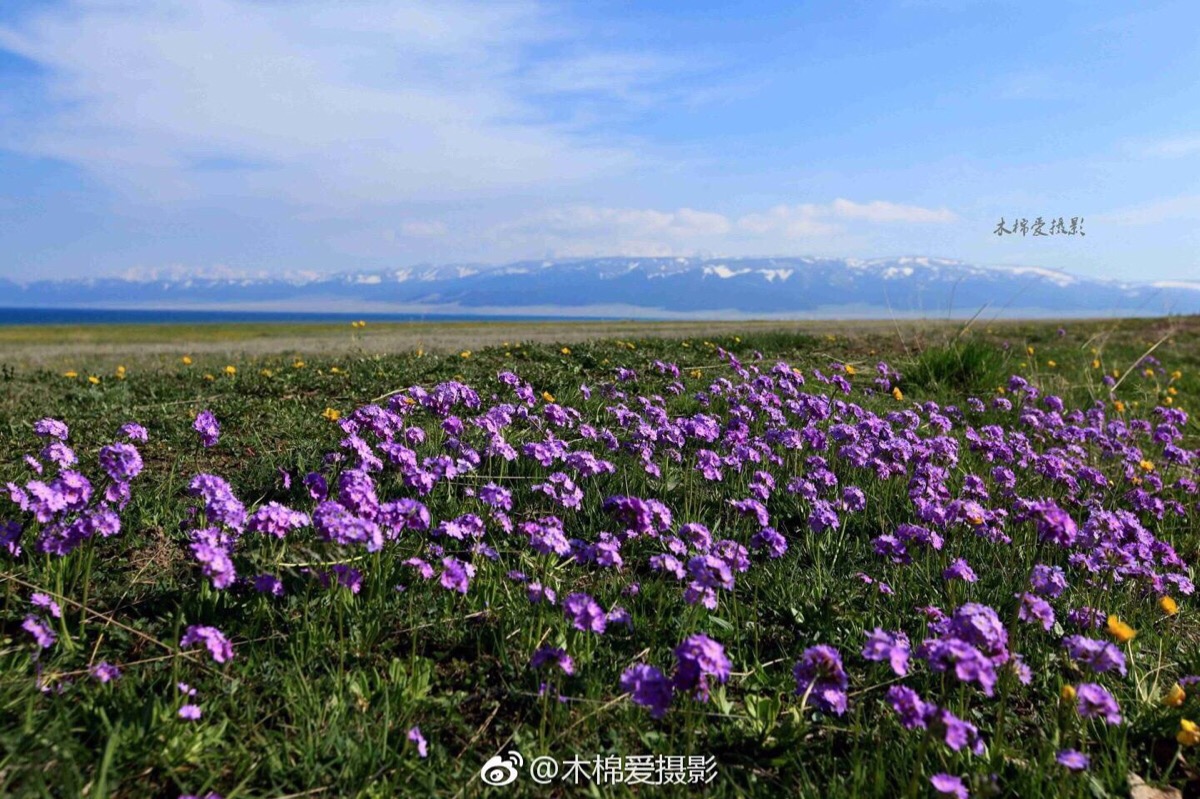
[{"x": 294, "y": 135}]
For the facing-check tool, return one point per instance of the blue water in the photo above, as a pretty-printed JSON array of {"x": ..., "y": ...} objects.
[{"x": 103, "y": 316}]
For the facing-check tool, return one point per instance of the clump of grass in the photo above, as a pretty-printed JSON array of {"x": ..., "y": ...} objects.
[{"x": 963, "y": 365}]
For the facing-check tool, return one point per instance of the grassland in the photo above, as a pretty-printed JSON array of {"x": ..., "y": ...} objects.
[{"x": 326, "y": 682}]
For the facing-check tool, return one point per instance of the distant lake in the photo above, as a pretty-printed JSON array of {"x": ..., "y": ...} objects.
[{"x": 10, "y": 317}]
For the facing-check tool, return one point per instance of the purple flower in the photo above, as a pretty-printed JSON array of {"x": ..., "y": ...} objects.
[
  {"x": 218, "y": 645},
  {"x": 122, "y": 462},
  {"x": 414, "y": 735},
  {"x": 1100, "y": 656},
  {"x": 276, "y": 519},
  {"x": 1093, "y": 701},
  {"x": 456, "y": 575},
  {"x": 912, "y": 710},
  {"x": 585, "y": 613},
  {"x": 1073, "y": 759},
  {"x": 105, "y": 671},
  {"x": 696, "y": 659},
  {"x": 959, "y": 569},
  {"x": 892, "y": 647},
  {"x": 649, "y": 687},
  {"x": 134, "y": 431},
  {"x": 208, "y": 427},
  {"x": 268, "y": 584},
  {"x": 552, "y": 655},
  {"x": 39, "y": 600},
  {"x": 1049, "y": 581},
  {"x": 1035, "y": 609},
  {"x": 820, "y": 675},
  {"x": 770, "y": 540},
  {"x": 190, "y": 712},
  {"x": 51, "y": 428},
  {"x": 949, "y": 785},
  {"x": 40, "y": 631}
]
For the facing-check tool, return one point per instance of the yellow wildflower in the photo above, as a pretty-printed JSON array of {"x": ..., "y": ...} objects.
[
  {"x": 1175, "y": 696},
  {"x": 186, "y": 360},
  {"x": 1119, "y": 406},
  {"x": 465, "y": 354},
  {"x": 850, "y": 370},
  {"x": 298, "y": 364},
  {"x": 231, "y": 370},
  {"x": 1052, "y": 364},
  {"x": 897, "y": 393},
  {"x": 333, "y": 370},
  {"x": 1029, "y": 350},
  {"x": 1068, "y": 693},
  {"x": 267, "y": 373},
  {"x": 120, "y": 372},
  {"x": 209, "y": 377},
  {"x": 565, "y": 350},
  {"x": 1169, "y": 605},
  {"x": 547, "y": 396},
  {"x": 93, "y": 380},
  {"x": 696, "y": 373},
  {"x": 1146, "y": 466},
  {"x": 1120, "y": 630},
  {"x": 71, "y": 373},
  {"x": 1189, "y": 733},
  {"x": 1095, "y": 363},
  {"x": 332, "y": 414},
  {"x": 1176, "y": 374}
]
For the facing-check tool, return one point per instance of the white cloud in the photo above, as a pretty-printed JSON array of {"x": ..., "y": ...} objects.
[
  {"x": 422, "y": 228},
  {"x": 1173, "y": 148},
  {"x": 326, "y": 105},
  {"x": 1186, "y": 207},
  {"x": 813, "y": 220}
]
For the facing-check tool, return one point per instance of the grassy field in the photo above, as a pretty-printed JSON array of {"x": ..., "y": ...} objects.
[{"x": 560, "y": 599}]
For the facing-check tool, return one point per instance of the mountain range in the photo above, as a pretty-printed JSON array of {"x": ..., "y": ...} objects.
[{"x": 622, "y": 287}]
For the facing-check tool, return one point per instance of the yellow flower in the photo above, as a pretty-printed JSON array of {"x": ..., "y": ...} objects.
[
  {"x": 897, "y": 393},
  {"x": 231, "y": 370},
  {"x": 267, "y": 373},
  {"x": 1176, "y": 374},
  {"x": 1120, "y": 630},
  {"x": 465, "y": 354},
  {"x": 333, "y": 370},
  {"x": 95, "y": 381},
  {"x": 1169, "y": 605},
  {"x": 1148, "y": 372},
  {"x": 1175, "y": 696},
  {"x": 1189, "y": 733},
  {"x": 186, "y": 360},
  {"x": 1068, "y": 693},
  {"x": 737, "y": 339},
  {"x": 209, "y": 377},
  {"x": 1116, "y": 372},
  {"x": 1029, "y": 350},
  {"x": 696, "y": 373},
  {"x": 1095, "y": 363},
  {"x": 1146, "y": 466},
  {"x": 1119, "y": 406},
  {"x": 332, "y": 414},
  {"x": 1052, "y": 364},
  {"x": 850, "y": 370},
  {"x": 547, "y": 396},
  {"x": 565, "y": 350},
  {"x": 71, "y": 373},
  {"x": 999, "y": 389},
  {"x": 1169, "y": 401},
  {"x": 120, "y": 372},
  {"x": 1173, "y": 391},
  {"x": 298, "y": 364}
]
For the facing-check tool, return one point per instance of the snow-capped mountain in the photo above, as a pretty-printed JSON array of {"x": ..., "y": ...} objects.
[{"x": 635, "y": 287}]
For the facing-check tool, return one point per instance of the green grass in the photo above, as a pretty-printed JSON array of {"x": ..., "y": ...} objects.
[{"x": 325, "y": 683}]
